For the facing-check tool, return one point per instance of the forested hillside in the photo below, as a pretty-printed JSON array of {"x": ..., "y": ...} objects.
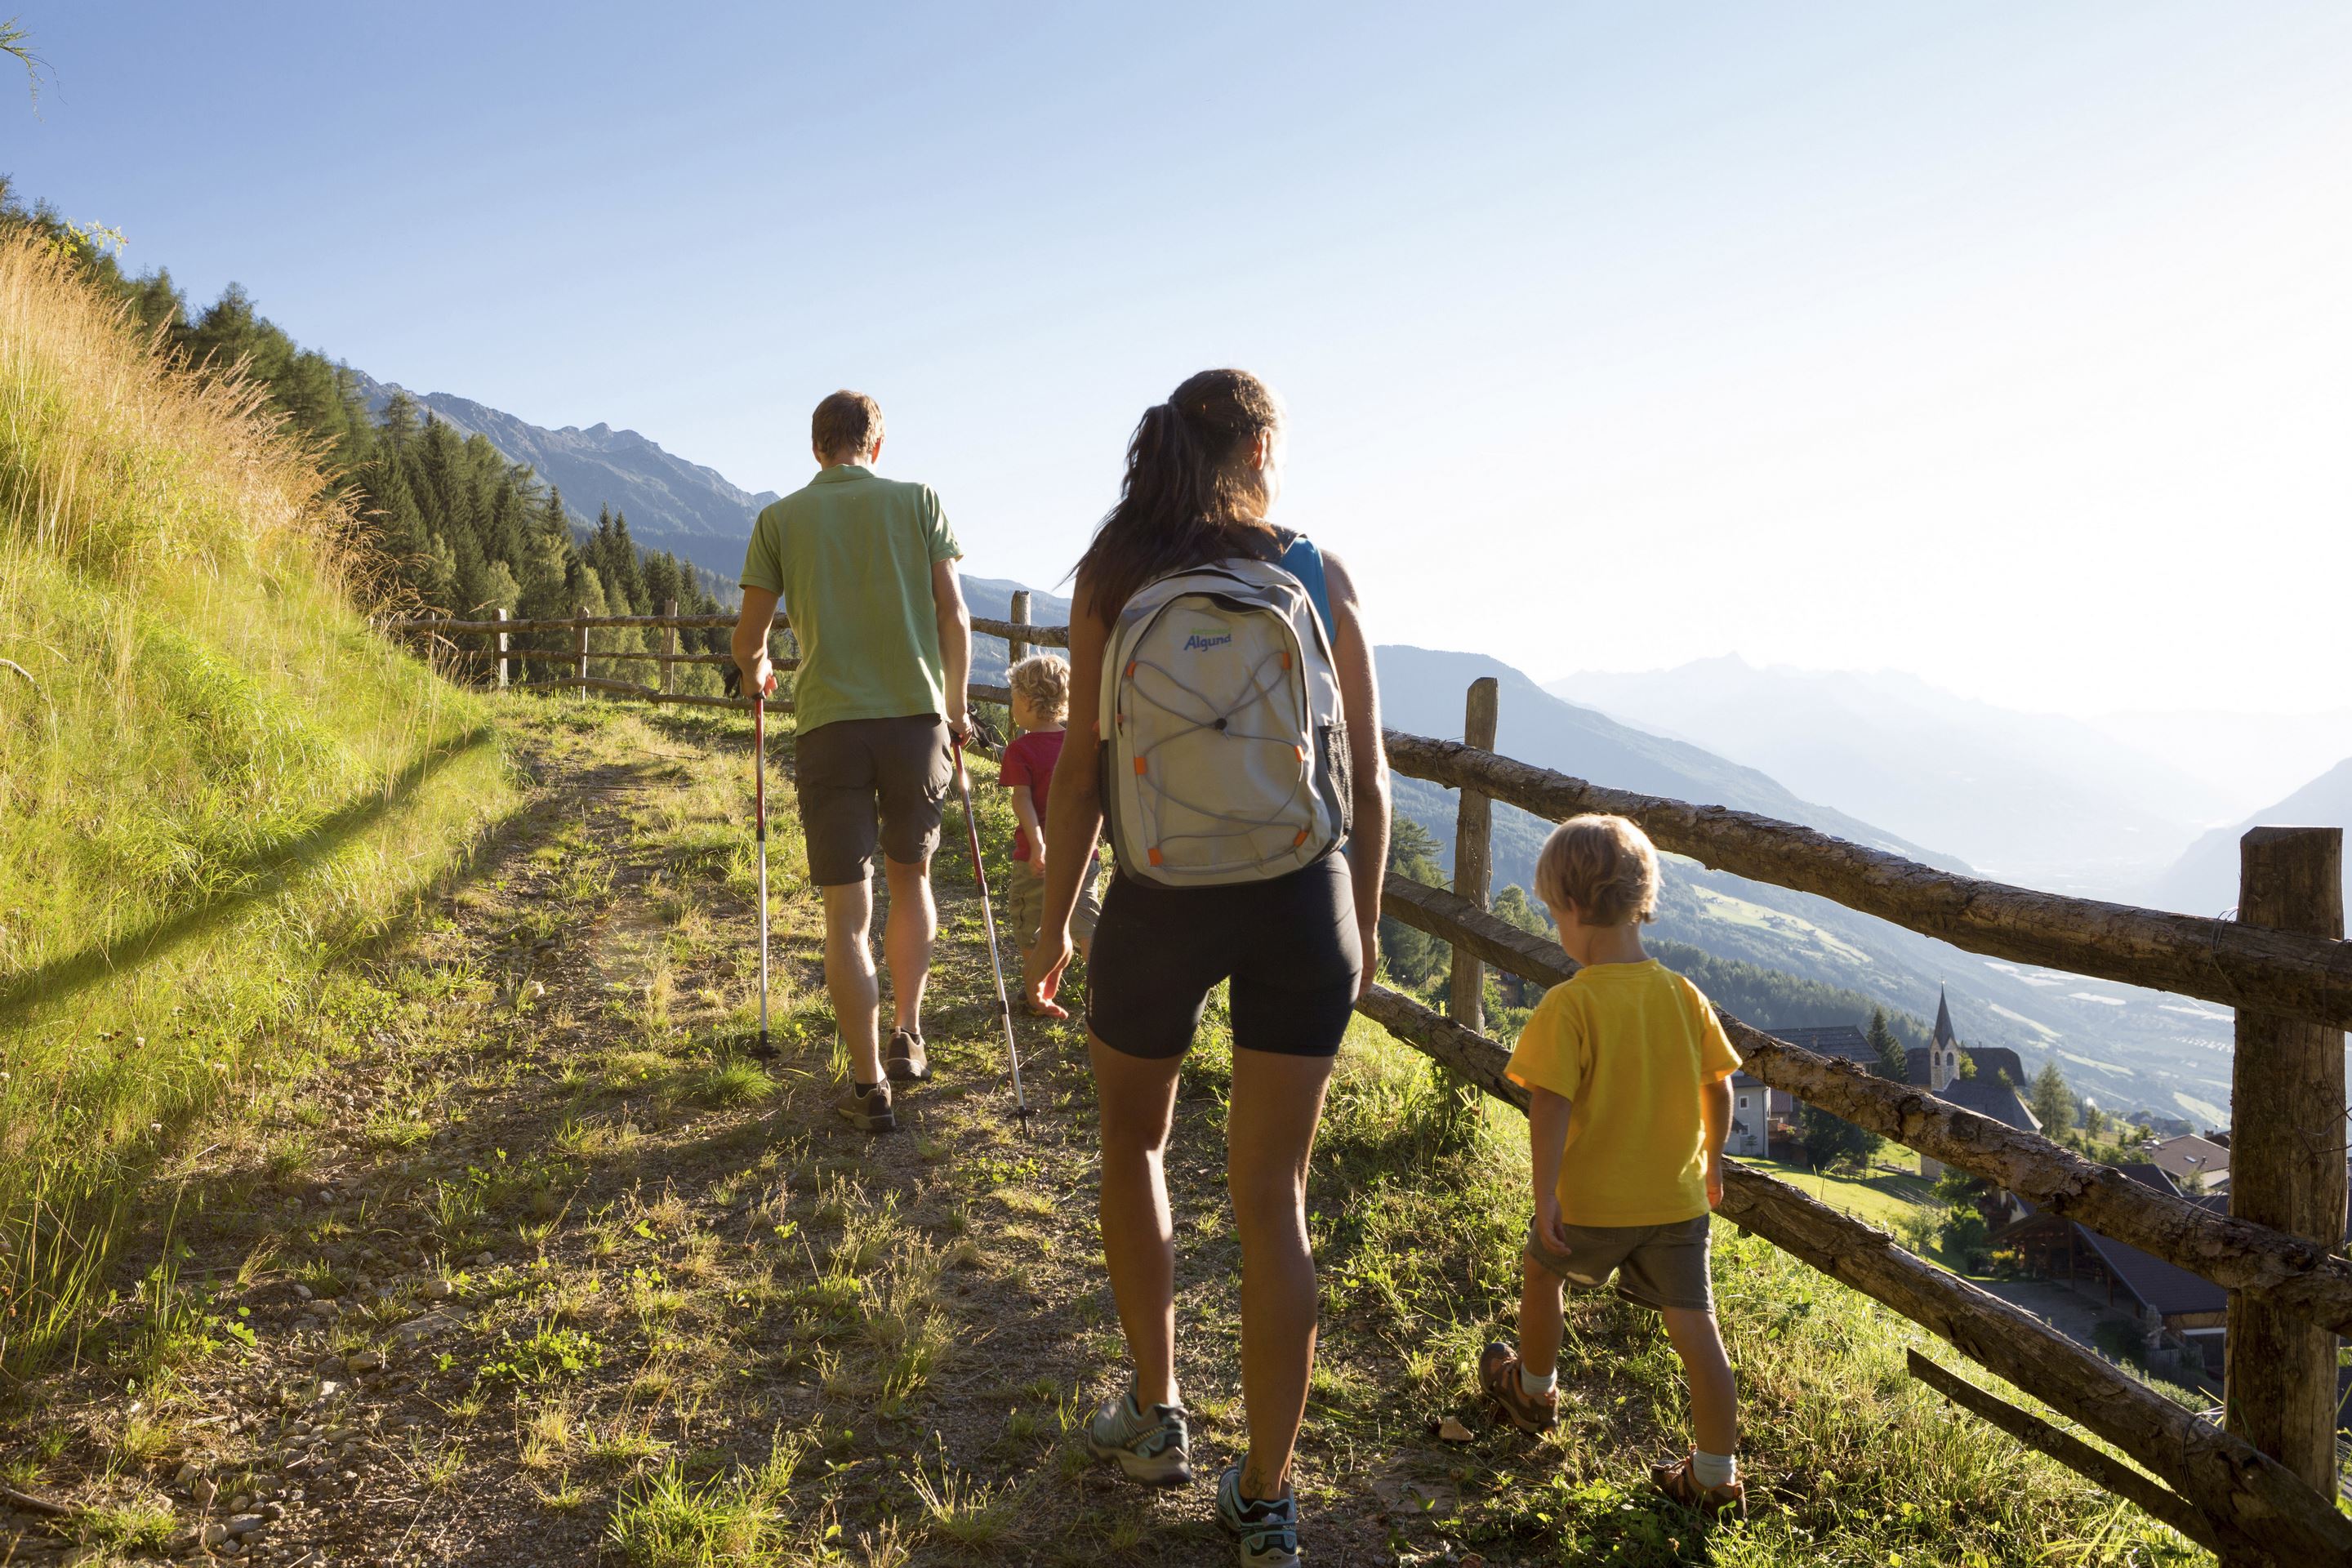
[{"x": 448, "y": 524}]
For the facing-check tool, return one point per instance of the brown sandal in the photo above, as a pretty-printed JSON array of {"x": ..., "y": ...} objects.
[
  {"x": 1680, "y": 1482},
  {"x": 1498, "y": 1374}
]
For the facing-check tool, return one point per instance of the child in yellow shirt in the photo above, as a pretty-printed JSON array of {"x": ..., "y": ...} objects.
[{"x": 1628, "y": 1072}]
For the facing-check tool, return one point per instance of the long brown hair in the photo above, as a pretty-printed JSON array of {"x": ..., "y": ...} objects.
[{"x": 1190, "y": 494}]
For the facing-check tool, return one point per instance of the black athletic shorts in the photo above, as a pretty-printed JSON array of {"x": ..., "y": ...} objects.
[{"x": 1290, "y": 946}]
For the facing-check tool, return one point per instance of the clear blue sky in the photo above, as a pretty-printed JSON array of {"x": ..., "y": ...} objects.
[{"x": 2005, "y": 344}]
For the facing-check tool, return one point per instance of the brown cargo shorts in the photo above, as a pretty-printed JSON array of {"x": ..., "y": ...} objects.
[
  {"x": 1662, "y": 1266},
  {"x": 1025, "y": 903},
  {"x": 864, "y": 781}
]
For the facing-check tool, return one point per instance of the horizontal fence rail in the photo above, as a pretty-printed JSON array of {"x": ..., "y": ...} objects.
[
  {"x": 567, "y": 623},
  {"x": 2245, "y": 1496},
  {"x": 2285, "y": 973},
  {"x": 2296, "y": 1275}
]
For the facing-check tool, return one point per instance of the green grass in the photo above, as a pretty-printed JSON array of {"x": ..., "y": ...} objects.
[
  {"x": 214, "y": 782},
  {"x": 1877, "y": 1199}
]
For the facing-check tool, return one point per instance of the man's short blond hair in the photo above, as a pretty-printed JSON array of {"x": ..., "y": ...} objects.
[
  {"x": 1603, "y": 865},
  {"x": 1045, "y": 680}
]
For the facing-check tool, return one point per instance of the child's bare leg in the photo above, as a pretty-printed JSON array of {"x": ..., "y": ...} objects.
[
  {"x": 1715, "y": 1404},
  {"x": 1541, "y": 1321}
]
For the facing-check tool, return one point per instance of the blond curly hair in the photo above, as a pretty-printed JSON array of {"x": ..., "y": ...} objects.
[
  {"x": 1604, "y": 865},
  {"x": 1044, "y": 679}
]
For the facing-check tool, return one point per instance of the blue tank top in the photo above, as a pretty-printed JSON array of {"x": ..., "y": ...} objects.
[{"x": 1303, "y": 561}]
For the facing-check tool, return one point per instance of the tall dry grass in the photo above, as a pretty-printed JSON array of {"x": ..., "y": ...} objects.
[{"x": 212, "y": 775}]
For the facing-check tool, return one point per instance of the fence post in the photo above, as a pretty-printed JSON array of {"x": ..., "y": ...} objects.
[
  {"x": 1474, "y": 823},
  {"x": 1016, "y": 650},
  {"x": 580, "y": 647},
  {"x": 502, "y": 653},
  {"x": 2286, "y": 1159},
  {"x": 669, "y": 649}
]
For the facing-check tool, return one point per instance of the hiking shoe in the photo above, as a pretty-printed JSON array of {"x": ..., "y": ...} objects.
[
  {"x": 1154, "y": 1447},
  {"x": 867, "y": 1107},
  {"x": 1681, "y": 1483},
  {"x": 1268, "y": 1530},
  {"x": 908, "y": 1062},
  {"x": 1498, "y": 1374}
]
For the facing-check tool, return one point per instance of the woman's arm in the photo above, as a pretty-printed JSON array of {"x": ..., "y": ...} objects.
[
  {"x": 1074, "y": 806},
  {"x": 1359, "y": 696}
]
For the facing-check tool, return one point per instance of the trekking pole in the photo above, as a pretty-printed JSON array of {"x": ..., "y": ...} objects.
[
  {"x": 759, "y": 831},
  {"x": 988, "y": 919}
]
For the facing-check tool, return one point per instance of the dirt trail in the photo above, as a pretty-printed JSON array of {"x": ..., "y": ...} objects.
[{"x": 539, "y": 1266}]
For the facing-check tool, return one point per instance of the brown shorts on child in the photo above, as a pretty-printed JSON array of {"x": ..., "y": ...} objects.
[
  {"x": 1662, "y": 1266},
  {"x": 1025, "y": 904}
]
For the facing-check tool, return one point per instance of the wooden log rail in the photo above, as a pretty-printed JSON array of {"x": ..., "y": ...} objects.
[
  {"x": 2288, "y": 973},
  {"x": 567, "y": 623},
  {"x": 1021, "y": 631},
  {"x": 2247, "y": 1496},
  {"x": 2287, "y": 1271}
]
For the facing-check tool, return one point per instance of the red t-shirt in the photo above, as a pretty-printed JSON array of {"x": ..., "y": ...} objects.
[{"x": 1030, "y": 759}]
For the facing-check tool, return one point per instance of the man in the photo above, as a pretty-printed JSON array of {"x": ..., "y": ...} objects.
[{"x": 866, "y": 567}]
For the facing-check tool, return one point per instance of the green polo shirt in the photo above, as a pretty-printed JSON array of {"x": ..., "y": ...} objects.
[{"x": 852, "y": 554}]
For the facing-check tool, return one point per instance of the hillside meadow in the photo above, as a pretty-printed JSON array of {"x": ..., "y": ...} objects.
[{"x": 214, "y": 778}]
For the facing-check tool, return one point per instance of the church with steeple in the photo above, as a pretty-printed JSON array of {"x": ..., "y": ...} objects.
[{"x": 1988, "y": 1079}]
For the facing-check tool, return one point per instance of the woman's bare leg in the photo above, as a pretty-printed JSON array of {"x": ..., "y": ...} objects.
[
  {"x": 1269, "y": 1133},
  {"x": 1137, "y": 1101}
]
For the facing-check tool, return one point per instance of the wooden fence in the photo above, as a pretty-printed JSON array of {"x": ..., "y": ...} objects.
[{"x": 2260, "y": 1487}]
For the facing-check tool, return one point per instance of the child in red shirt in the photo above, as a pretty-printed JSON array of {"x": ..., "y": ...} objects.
[{"x": 1041, "y": 707}]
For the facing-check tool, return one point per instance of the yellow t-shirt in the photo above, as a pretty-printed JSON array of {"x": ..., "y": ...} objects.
[{"x": 1628, "y": 1045}]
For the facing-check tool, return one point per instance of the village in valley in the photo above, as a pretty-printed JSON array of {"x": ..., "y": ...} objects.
[{"x": 2108, "y": 1295}]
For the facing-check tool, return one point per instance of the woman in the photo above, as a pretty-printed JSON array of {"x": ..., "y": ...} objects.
[{"x": 1298, "y": 950}]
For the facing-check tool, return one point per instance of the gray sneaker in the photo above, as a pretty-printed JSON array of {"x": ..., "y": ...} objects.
[
  {"x": 1154, "y": 1448},
  {"x": 867, "y": 1107},
  {"x": 908, "y": 1061},
  {"x": 1268, "y": 1530}
]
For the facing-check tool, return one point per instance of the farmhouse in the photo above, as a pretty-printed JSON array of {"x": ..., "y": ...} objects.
[
  {"x": 2191, "y": 1156},
  {"x": 1760, "y": 1114},
  {"x": 2180, "y": 1314}
]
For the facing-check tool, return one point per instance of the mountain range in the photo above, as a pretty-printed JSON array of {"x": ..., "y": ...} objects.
[
  {"x": 2204, "y": 881},
  {"x": 1932, "y": 778},
  {"x": 692, "y": 511},
  {"x": 2106, "y": 818}
]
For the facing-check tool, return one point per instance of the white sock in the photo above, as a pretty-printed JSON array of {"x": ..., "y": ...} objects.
[
  {"x": 1531, "y": 1385},
  {"x": 1713, "y": 1469}
]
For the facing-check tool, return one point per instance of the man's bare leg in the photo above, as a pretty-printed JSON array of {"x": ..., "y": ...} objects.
[{"x": 849, "y": 977}]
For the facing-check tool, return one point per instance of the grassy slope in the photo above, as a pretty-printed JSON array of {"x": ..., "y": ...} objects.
[
  {"x": 212, "y": 775},
  {"x": 713, "y": 1325}
]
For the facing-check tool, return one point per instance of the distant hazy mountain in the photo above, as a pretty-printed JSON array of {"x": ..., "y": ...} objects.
[
  {"x": 1422, "y": 691},
  {"x": 992, "y": 597},
  {"x": 2030, "y": 797},
  {"x": 2204, "y": 881},
  {"x": 671, "y": 504},
  {"x": 2250, "y": 757}
]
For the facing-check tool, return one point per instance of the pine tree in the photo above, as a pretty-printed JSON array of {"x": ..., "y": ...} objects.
[
  {"x": 1894, "y": 1062},
  {"x": 1413, "y": 957},
  {"x": 2052, "y": 1101}
]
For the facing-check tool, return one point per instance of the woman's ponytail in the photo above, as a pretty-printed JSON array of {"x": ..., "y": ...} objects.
[{"x": 1190, "y": 492}]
